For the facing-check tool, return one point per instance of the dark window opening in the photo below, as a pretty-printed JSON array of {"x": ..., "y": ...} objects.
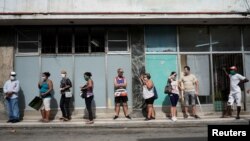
[
  {"x": 97, "y": 41},
  {"x": 48, "y": 41},
  {"x": 81, "y": 40},
  {"x": 65, "y": 40}
]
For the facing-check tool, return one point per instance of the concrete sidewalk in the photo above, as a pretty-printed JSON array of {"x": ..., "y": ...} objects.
[{"x": 126, "y": 123}]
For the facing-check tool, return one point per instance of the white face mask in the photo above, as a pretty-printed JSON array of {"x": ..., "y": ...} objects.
[
  {"x": 63, "y": 75},
  {"x": 12, "y": 77},
  {"x": 43, "y": 78}
]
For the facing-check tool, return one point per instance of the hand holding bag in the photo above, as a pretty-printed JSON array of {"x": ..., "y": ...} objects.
[
  {"x": 36, "y": 103},
  {"x": 168, "y": 88}
]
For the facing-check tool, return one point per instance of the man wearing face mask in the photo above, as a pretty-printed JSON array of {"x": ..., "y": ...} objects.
[
  {"x": 235, "y": 91},
  {"x": 65, "y": 86},
  {"x": 11, "y": 89}
]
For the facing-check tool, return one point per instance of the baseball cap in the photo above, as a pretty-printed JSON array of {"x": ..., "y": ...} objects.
[
  {"x": 233, "y": 68},
  {"x": 12, "y": 73}
]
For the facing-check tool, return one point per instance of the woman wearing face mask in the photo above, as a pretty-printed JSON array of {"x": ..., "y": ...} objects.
[
  {"x": 88, "y": 100},
  {"x": 65, "y": 86},
  {"x": 45, "y": 87},
  {"x": 174, "y": 96}
]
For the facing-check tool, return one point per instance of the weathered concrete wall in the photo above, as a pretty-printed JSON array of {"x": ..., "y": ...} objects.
[
  {"x": 6, "y": 54},
  {"x": 124, "y": 6}
]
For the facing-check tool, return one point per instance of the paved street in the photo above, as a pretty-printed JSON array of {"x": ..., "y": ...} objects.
[{"x": 104, "y": 134}]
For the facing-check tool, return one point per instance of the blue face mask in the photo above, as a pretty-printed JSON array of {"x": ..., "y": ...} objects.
[{"x": 232, "y": 72}]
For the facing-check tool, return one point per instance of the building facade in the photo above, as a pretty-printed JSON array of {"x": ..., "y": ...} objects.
[{"x": 137, "y": 35}]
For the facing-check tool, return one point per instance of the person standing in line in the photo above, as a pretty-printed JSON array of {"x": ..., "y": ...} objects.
[
  {"x": 174, "y": 95},
  {"x": 148, "y": 95},
  {"x": 235, "y": 91},
  {"x": 190, "y": 87},
  {"x": 89, "y": 86},
  {"x": 65, "y": 85},
  {"x": 120, "y": 85},
  {"x": 45, "y": 87},
  {"x": 11, "y": 89}
]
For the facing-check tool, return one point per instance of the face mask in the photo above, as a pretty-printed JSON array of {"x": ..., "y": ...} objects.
[
  {"x": 43, "y": 78},
  {"x": 232, "y": 72},
  {"x": 86, "y": 77},
  {"x": 63, "y": 75},
  {"x": 12, "y": 77}
]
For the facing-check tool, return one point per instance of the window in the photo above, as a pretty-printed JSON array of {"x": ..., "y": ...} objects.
[
  {"x": 246, "y": 35},
  {"x": 226, "y": 38},
  {"x": 64, "y": 40},
  {"x": 117, "y": 40},
  {"x": 160, "y": 38},
  {"x": 48, "y": 40},
  {"x": 81, "y": 40},
  {"x": 27, "y": 41},
  {"x": 194, "y": 39},
  {"x": 97, "y": 39}
]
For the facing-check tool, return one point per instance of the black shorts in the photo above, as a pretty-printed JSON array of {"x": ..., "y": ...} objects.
[
  {"x": 150, "y": 100},
  {"x": 121, "y": 99}
]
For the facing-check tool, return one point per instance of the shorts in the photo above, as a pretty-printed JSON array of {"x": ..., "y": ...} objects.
[
  {"x": 174, "y": 99},
  {"x": 150, "y": 100},
  {"x": 189, "y": 97},
  {"x": 234, "y": 97},
  {"x": 46, "y": 104},
  {"x": 121, "y": 99}
]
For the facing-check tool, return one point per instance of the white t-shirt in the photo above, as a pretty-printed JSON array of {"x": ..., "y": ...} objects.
[
  {"x": 147, "y": 93},
  {"x": 175, "y": 88},
  {"x": 234, "y": 81}
]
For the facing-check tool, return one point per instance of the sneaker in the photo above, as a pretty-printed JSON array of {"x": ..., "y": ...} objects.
[
  {"x": 196, "y": 116},
  {"x": 153, "y": 118},
  {"x": 238, "y": 117},
  {"x": 9, "y": 121},
  {"x": 90, "y": 122},
  {"x": 128, "y": 117},
  {"x": 115, "y": 117},
  {"x": 147, "y": 119},
  {"x": 15, "y": 121},
  {"x": 174, "y": 119}
]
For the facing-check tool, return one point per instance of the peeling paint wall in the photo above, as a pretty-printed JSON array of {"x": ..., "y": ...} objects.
[
  {"x": 6, "y": 54},
  {"x": 124, "y": 6}
]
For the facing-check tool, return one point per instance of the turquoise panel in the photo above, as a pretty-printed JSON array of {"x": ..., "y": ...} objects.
[
  {"x": 160, "y": 67},
  {"x": 160, "y": 38},
  {"x": 28, "y": 71}
]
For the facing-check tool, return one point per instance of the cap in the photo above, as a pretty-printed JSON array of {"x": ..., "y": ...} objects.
[
  {"x": 233, "y": 68},
  {"x": 13, "y": 73},
  {"x": 63, "y": 72}
]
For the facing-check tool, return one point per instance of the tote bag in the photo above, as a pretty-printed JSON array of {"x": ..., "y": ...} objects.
[{"x": 36, "y": 103}]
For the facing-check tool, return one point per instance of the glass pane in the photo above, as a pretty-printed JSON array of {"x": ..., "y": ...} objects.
[
  {"x": 226, "y": 38},
  {"x": 160, "y": 38},
  {"x": 247, "y": 66},
  {"x": 49, "y": 40},
  {"x": 27, "y": 35},
  {"x": 117, "y": 35},
  {"x": 194, "y": 38},
  {"x": 27, "y": 47},
  {"x": 246, "y": 35},
  {"x": 221, "y": 81},
  {"x": 117, "y": 46},
  {"x": 65, "y": 40},
  {"x": 81, "y": 40},
  {"x": 97, "y": 40}
]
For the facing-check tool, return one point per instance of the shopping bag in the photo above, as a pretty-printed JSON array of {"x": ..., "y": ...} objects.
[{"x": 36, "y": 103}]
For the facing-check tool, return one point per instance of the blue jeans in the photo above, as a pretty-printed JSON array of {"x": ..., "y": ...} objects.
[{"x": 13, "y": 109}]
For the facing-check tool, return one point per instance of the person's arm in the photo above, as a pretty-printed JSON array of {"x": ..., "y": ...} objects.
[
  {"x": 5, "y": 88},
  {"x": 123, "y": 85},
  {"x": 17, "y": 87},
  {"x": 149, "y": 84},
  {"x": 196, "y": 87},
  {"x": 50, "y": 87},
  {"x": 224, "y": 69}
]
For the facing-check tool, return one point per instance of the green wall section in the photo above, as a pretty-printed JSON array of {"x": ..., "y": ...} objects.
[{"x": 160, "y": 67}]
